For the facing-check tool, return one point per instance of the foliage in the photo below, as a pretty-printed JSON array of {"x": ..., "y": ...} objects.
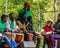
[{"x": 15, "y": 5}]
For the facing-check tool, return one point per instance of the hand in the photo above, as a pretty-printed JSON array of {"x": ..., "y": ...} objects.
[
  {"x": 43, "y": 33},
  {"x": 53, "y": 32},
  {"x": 18, "y": 30},
  {"x": 0, "y": 31}
]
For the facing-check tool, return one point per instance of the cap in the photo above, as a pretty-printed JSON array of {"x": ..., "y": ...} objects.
[{"x": 26, "y": 3}]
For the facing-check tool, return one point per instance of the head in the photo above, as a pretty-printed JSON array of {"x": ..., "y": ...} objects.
[
  {"x": 49, "y": 23},
  {"x": 4, "y": 18},
  {"x": 59, "y": 17},
  {"x": 26, "y": 6},
  {"x": 11, "y": 16}
]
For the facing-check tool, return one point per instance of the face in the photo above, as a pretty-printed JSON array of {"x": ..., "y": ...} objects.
[
  {"x": 49, "y": 24},
  {"x": 5, "y": 19},
  {"x": 12, "y": 16},
  {"x": 26, "y": 7}
]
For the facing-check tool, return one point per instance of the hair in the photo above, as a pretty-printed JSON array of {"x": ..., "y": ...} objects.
[
  {"x": 3, "y": 16},
  {"x": 49, "y": 22},
  {"x": 11, "y": 14},
  {"x": 59, "y": 15}
]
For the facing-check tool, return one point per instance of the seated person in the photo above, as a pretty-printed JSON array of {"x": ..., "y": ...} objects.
[
  {"x": 4, "y": 37},
  {"x": 22, "y": 26},
  {"x": 46, "y": 31},
  {"x": 56, "y": 35},
  {"x": 11, "y": 23},
  {"x": 29, "y": 29}
]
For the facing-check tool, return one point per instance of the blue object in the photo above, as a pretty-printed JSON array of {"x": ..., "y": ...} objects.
[{"x": 11, "y": 43}]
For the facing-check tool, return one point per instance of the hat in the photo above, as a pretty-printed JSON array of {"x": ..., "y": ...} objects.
[
  {"x": 26, "y": 3},
  {"x": 50, "y": 20}
]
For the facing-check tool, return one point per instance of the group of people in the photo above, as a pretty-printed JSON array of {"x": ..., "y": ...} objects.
[
  {"x": 8, "y": 24},
  {"x": 23, "y": 23},
  {"x": 51, "y": 32}
]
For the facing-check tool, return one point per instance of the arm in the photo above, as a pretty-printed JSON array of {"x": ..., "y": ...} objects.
[
  {"x": 43, "y": 32},
  {"x": 8, "y": 25},
  {"x": 0, "y": 31}
]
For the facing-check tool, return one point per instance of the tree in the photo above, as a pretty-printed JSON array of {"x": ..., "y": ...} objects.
[{"x": 15, "y": 5}]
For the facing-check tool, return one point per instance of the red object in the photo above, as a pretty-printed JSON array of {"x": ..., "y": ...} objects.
[
  {"x": 26, "y": 3},
  {"x": 48, "y": 29}
]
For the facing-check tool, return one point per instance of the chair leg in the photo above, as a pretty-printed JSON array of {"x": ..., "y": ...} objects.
[
  {"x": 44, "y": 42},
  {"x": 49, "y": 45},
  {"x": 38, "y": 43},
  {"x": 20, "y": 45}
]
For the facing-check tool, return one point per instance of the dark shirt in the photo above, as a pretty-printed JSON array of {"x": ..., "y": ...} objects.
[
  {"x": 57, "y": 27},
  {"x": 29, "y": 27}
]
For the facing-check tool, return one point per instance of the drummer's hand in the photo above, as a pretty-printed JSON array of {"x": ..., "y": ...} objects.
[
  {"x": 43, "y": 33},
  {"x": 0, "y": 31},
  {"x": 18, "y": 30},
  {"x": 26, "y": 31},
  {"x": 54, "y": 32},
  {"x": 6, "y": 29}
]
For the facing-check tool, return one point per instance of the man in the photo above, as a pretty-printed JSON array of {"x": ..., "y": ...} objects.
[
  {"x": 25, "y": 12},
  {"x": 56, "y": 35},
  {"x": 11, "y": 23},
  {"x": 3, "y": 36},
  {"x": 46, "y": 31}
]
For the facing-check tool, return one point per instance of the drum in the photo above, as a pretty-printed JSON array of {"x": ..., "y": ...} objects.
[
  {"x": 48, "y": 37},
  {"x": 0, "y": 34},
  {"x": 19, "y": 37},
  {"x": 9, "y": 35},
  {"x": 30, "y": 36},
  {"x": 5, "y": 45}
]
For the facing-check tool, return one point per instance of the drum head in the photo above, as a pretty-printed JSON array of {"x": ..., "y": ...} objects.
[
  {"x": 19, "y": 37},
  {"x": 0, "y": 34}
]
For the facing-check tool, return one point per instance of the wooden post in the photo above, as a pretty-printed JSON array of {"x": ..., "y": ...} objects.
[
  {"x": 54, "y": 10},
  {"x": 6, "y": 7},
  {"x": 38, "y": 16}
]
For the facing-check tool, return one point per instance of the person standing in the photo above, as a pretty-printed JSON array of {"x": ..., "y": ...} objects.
[
  {"x": 25, "y": 12},
  {"x": 11, "y": 23}
]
